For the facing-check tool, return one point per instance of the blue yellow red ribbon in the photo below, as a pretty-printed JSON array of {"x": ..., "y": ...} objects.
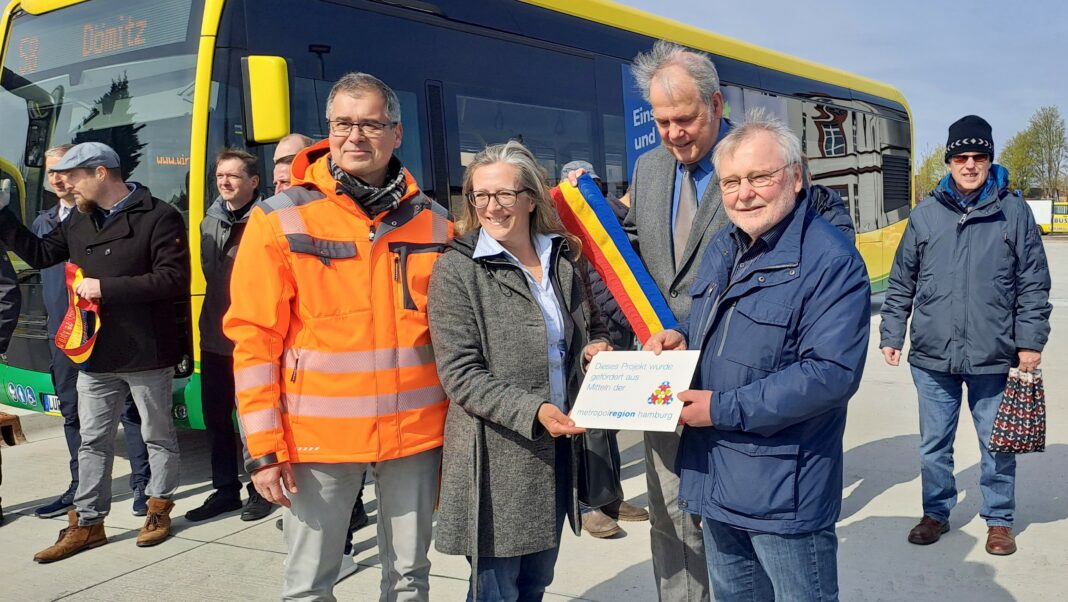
[{"x": 587, "y": 214}]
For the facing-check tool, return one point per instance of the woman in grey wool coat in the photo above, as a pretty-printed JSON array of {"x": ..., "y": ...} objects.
[{"x": 512, "y": 326}]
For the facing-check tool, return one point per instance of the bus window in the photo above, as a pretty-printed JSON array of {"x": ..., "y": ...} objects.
[
  {"x": 554, "y": 135},
  {"x": 614, "y": 176},
  {"x": 828, "y": 143},
  {"x": 897, "y": 179}
]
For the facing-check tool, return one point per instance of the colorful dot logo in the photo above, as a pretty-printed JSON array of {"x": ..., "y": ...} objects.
[{"x": 661, "y": 395}]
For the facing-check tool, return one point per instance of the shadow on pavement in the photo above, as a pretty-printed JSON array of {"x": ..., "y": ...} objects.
[
  {"x": 877, "y": 466},
  {"x": 632, "y": 583},
  {"x": 876, "y": 563}
]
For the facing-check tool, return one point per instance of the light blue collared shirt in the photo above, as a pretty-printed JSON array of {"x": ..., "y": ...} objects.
[{"x": 548, "y": 302}]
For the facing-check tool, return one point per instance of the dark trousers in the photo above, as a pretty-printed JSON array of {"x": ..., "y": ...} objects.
[
  {"x": 217, "y": 396},
  {"x": 65, "y": 381}
]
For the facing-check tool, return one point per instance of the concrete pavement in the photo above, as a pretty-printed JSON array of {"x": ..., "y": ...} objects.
[{"x": 226, "y": 559}]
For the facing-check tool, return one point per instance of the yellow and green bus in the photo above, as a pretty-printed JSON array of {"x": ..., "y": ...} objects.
[{"x": 168, "y": 83}]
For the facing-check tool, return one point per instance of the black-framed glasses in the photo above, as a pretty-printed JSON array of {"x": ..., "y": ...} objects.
[
  {"x": 761, "y": 179},
  {"x": 505, "y": 198},
  {"x": 369, "y": 128},
  {"x": 979, "y": 158}
]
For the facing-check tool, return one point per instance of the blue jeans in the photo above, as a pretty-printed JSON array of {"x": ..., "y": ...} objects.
[
  {"x": 940, "y": 400},
  {"x": 745, "y": 566},
  {"x": 525, "y": 578}
]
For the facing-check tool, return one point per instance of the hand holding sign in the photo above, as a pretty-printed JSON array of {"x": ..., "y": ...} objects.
[{"x": 634, "y": 390}]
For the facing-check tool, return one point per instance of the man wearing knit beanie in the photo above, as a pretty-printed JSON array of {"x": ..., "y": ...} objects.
[{"x": 972, "y": 272}]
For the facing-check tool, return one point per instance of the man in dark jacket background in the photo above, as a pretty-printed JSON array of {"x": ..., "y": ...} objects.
[
  {"x": 134, "y": 254},
  {"x": 65, "y": 373},
  {"x": 780, "y": 313},
  {"x": 601, "y": 522},
  {"x": 237, "y": 179},
  {"x": 972, "y": 271}
]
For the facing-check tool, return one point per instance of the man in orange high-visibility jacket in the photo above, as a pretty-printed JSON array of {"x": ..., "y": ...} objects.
[{"x": 333, "y": 364}]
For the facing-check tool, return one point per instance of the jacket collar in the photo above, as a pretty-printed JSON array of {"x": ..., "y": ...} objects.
[
  {"x": 218, "y": 210},
  {"x": 997, "y": 183},
  {"x": 786, "y": 250},
  {"x": 311, "y": 168}
]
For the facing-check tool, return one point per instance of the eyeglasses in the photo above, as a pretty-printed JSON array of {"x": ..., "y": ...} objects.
[
  {"x": 370, "y": 129},
  {"x": 761, "y": 179},
  {"x": 505, "y": 198},
  {"x": 979, "y": 158}
]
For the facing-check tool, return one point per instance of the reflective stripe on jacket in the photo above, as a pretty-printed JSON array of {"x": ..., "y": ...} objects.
[{"x": 332, "y": 358}]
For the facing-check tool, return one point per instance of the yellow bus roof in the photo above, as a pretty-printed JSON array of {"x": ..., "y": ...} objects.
[{"x": 640, "y": 22}]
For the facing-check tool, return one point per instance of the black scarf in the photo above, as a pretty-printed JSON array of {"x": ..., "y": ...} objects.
[{"x": 373, "y": 200}]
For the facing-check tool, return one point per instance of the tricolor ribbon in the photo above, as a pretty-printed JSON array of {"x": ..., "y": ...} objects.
[
  {"x": 77, "y": 333},
  {"x": 587, "y": 214}
]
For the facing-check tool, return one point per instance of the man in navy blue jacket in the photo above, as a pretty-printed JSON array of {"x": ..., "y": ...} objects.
[
  {"x": 972, "y": 272},
  {"x": 65, "y": 373},
  {"x": 781, "y": 315}
]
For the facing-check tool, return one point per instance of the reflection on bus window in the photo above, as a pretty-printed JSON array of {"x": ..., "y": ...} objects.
[{"x": 554, "y": 135}]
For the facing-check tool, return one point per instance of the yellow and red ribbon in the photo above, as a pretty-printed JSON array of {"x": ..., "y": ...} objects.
[{"x": 81, "y": 324}]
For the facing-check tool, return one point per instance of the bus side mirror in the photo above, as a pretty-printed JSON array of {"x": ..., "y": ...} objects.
[
  {"x": 266, "y": 89},
  {"x": 12, "y": 188}
]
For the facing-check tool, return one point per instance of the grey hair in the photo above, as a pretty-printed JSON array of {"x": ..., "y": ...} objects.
[
  {"x": 758, "y": 120},
  {"x": 648, "y": 65},
  {"x": 532, "y": 178},
  {"x": 357, "y": 84},
  {"x": 58, "y": 151}
]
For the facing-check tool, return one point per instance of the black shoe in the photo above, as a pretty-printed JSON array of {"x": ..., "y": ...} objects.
[
  {"x": 359, "y": 518},
  {"x": 217, "y": 503},
  {"x": 357, "y": 521},
  {"x": 256, "y": 507},
  {"x": 140, "y": 502},
  {"x": 61, "y": 505}
]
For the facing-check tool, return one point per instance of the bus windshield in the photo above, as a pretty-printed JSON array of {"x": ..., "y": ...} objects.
[{"x": 107, "y": 71}]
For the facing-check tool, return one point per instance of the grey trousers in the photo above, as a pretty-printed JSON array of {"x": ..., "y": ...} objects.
[
  {"x": 101, "y": 399},
  {"x": 316, "y": 527},
  {"x": 675, "y": 537}
]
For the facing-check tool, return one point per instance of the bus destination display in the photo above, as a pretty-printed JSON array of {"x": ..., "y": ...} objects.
[{"x": 93, "y": 30}]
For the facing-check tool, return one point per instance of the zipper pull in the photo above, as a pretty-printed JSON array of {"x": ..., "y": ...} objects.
[
  {"x": 396, "y": 269},
  {"x": 293, "y": 377},
  {"x": 371, "y": 233}
]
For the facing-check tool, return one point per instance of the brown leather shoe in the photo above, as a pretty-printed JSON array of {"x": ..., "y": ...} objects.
[
  {"x": 1000, "y": 541},
  {"x": 73, "y": 539},
  {"x": 928, "y": 531},
  {"x": 599, "y": 525},
  {"x": 623, "y": 511},
  {"x": 157, "y": 523},
  {"x": 72, "y": 521}
]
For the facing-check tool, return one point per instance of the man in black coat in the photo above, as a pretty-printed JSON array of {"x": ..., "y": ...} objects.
[{"x": 133, "y": 254}]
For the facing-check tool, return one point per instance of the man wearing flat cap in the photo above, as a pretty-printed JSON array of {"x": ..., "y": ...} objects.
[
  {"x": 132, "y": 254},
  {"x": 972, "y": 272}
]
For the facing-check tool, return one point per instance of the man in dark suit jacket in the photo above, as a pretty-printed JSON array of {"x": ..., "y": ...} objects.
[{"x": 675, "y": 209}]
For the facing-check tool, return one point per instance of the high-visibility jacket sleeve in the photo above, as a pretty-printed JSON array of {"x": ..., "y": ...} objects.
[{"x": 261, "y": 292}]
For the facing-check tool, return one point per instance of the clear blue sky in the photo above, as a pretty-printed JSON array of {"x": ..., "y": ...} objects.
[{"x": 999, "y": 60}]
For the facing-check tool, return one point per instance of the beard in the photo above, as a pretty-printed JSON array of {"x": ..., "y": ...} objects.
[{"x": 84, "y": 205}]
